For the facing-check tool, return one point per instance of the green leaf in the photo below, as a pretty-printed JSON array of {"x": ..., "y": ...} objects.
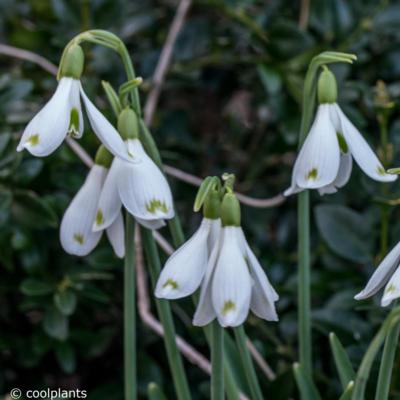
[
  {"x": 5, "y": 205},
  {"x": 342, "y": 361},
  {"x": 307, "y": 389},
  {"x": 154, "y": 392},
  {"x": 66, "y": 357},
  {"x": 33, "y": 287},
  {"x": 348, "y": 391},
  {"x": 55, "y": 324},
  {"x": 30, "y": 210},
  {"x": 345, "y": 231},
  {"x": 65, "y": 301},
  {"x": 270, "y": 78}
]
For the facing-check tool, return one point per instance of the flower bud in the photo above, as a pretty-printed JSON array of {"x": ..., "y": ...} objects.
[
  {"x": 103, "y": 157},
  {"x": 128, "y": 124},
  {"x": 212, "y": 205},
  {"x": 72, "y": 62},
  {"x": 327, "y": 87},
  {"x": 230, "y": 210}
]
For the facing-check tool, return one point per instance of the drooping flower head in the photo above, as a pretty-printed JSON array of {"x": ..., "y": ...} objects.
[
  {"x": 326, "y": 157},
  {"x": 76, "y": 234},
  {"x": 62, "y": 115},
  {"x": 232, "y": 280},
  {"x": 139, "y": 186}
]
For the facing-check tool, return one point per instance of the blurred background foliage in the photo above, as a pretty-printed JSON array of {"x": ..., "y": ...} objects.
[{"x": 231, "y": 102}]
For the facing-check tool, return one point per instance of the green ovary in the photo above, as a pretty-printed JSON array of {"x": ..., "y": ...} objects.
[{"x": 155, "y": 205}]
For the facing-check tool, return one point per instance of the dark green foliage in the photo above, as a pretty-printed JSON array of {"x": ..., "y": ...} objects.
[{"x": 230, "y": 103}]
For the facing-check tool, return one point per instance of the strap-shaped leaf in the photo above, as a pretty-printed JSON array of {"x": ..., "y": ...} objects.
[
  {"x": 308, "y": 390},
  {"x": 154, "y": 392},
  {"x": 342, "y": 361},
  {"x": 348, "y": 391}
]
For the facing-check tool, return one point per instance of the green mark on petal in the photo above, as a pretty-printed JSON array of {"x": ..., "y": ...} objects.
[
  {"x": 390, "y": 289},
  {"x": 171, "y": 283},
  {"x": 34, "y": 139},
  {"x": 73, "y": 129},
  {"x": 380, "y": 170},
  {"x": 79, "y": 238},
  {"x": 99, "y": 217},
  {"x": 228, "y": 306},
  {"x": 155, "y": 205},
  {"x": 312, "y": 174},
  {"x": 342, "y": 143}
]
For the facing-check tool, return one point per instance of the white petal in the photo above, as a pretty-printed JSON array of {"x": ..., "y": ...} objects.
[
  {"x": 185, "y": 269},
  {"x": 76, "y": 227},
  {"x": 392, "y": 289},
  {"x": 215, "y": 233},
  {"x": 48, "y": 128},
  {"x": 116, "y": 236},
  {"x": 205, "y": 312},
  {"x": 109, "y": 205},
  {"x": 75, "y": 101},
  {"x": 293, "y": 189},
  {"x": 359, "y": 148},
  {"x": 382, "y": 274},
  {"x": 107, "y": 134},
  {"x": 143, "y": 189},
  {"x": 346, "y": 165},
  {"x": 152, "y": 224},
  {"x": 231, "y": 284},
  {"x": 317, "y": 164},
  {"x": 263, "y": 295}
]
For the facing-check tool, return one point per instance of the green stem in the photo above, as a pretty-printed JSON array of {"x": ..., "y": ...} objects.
[
  {"x": 247, "y": 362},
  {"x": 217, "y": 362},
  {"x": 129, "y": 313},
  {"x": 304, "y": 296},
  {"x": 389, "y": 352},
  {"x": 165, "y": 315}
]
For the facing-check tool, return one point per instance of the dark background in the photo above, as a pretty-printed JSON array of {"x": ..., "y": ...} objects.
[{"x": 231, "y": 102}]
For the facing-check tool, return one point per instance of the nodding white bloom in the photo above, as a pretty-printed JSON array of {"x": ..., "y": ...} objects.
[
  {"x": 62, "y": 116},
  {"x": 185, "y": 269},
  {"x": 325, "y": 159},
  {"x": 140, "y": 187},
  {"x": 387, "y": 274},
  {"x": 232, "y": 280},
  {"x": 76, "y": 234}
]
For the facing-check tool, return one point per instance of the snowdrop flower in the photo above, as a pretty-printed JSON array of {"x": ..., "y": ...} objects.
[
  {"x": 140, "y": 187},
  {"x": 231, "y": 278},
  {"x": 387, "y": 273},
  {"x": 326, "y": 157},
  {"x": 62, "y": 115},
  {"x": 76, "y": 233}
]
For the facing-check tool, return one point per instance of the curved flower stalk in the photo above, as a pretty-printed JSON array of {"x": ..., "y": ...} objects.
[
  {"x": 62, "y": 115},
  {"x": 219, "y": 259},
  {"x": 325, "y": 159},
  {"x": 76, "y": 234},
  {"x": 387, "y": 274},
  {"x": 139, "y": 186}
]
